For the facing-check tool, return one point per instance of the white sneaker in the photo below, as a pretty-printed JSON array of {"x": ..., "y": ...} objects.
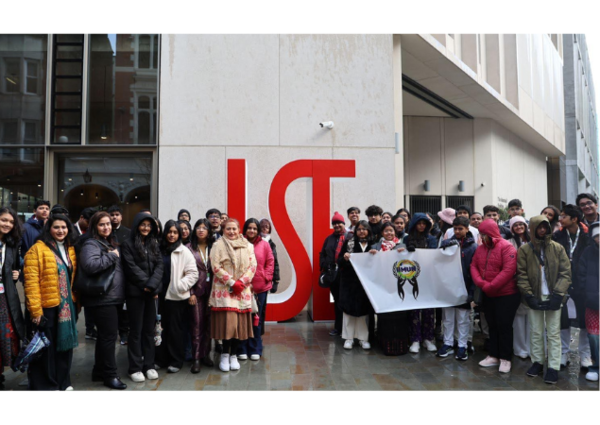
[
  {"x": 430, "y": 346},
  {"x": 242, "y": 357},
  {"x": 365, "y": 345},
  {"x": 151, "y": 374},
  {"x": 69, "y": 388},
  {"x": 137, "y": 377},
  {"x": 233, "y": 363},
  {"x": 591, "y": 376},
  {"x": 254, "y": 357},
  {"x": 586, "y": 362},
  {"x": 224, "y": 362},
  {"x": 415, "y": 347},
  {"x": 348, "y": 344},
  {"x": 173, "y": 369}
]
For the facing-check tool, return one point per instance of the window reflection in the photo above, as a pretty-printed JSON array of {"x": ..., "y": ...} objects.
[
  {"x": 23, "y": 59},
  {"x": 123, "y": 87},
  {"x": 21, "y": 177}
]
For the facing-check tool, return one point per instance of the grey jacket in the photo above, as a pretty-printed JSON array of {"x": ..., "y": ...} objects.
[{"x": 94, "y": 258}]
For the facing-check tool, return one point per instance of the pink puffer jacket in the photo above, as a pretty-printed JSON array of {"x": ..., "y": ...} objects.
[
  {"x": 265, "y": 264},
  {"x": 493, "y": 270}
]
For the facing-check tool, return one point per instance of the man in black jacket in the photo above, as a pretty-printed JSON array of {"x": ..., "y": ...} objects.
[
  {"x": 121, "y": 233},
  {"x": 84, "y": 220},
  {"x": 574, "y": 240},
  {"x": 327, "y": 262},
  {"x": 589, "y": 207},
  {"x": 493, "y": 212}
]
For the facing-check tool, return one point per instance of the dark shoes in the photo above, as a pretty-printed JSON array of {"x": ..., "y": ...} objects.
[
  {"x": 551, "y": 376},
  {"x": 124, "y": 339},
  {"x": 196, "y": 366},
  {"x": 334, "y": 332},
  {"x": 535, "y": 369},
  {"x": 115, "y": 384},
  {"x": 206, "y": 361}
]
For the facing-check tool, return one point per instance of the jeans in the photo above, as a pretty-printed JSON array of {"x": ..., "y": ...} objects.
[
  {"x": 254, "y": 345},
  {"x": 140, "y": 345},
  {"x": 500, "y": 314},
  {"x": 594, "y": 351},
  {"x": 106, "y": 318}
]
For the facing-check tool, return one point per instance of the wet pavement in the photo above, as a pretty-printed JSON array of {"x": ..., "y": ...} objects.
[{"x": 300, "y": 356}]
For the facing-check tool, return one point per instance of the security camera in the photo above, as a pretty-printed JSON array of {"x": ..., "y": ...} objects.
[
  {"x": 482, "y": 184},
  {"x": 326, "y": 124}
]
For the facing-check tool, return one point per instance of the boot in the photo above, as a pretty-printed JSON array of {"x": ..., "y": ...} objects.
[{"x": 196, "y": 366}]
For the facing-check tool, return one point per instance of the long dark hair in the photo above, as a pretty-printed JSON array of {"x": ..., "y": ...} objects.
[
  {"x": 248, "y": 223},
  {"x": 189, "y": 226},
  {"x": 518, "y": 239},
  {"x": 13, "y": 238},
  {"x": 194, "y": 238},
  {"x": 366, "y": 225},
  {"x": 556, "y": 214},
  {"x": 47, "y": 238},
  {"x": 93, "y": 228},
  {"x": 166, "y": 247},
  {"x": 147, "y": 243},
  {"x": 401, "y": 210}
]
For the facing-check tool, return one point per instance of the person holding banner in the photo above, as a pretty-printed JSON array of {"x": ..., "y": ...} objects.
[
  {"x": 493, "y": 270},
  {"x": 354, "y": 302},
  {"x": 422, "y": 321}
]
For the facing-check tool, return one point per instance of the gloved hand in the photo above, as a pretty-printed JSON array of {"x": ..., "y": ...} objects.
[
  {"x": 237, "y": 287},
  {"x": 555, "y": 301},
  {"x": 274, "y": 288},
  {"x": 448, "y": 244},
  {"x": 533, "y": 303},
  {"x": 411, "y": 247}
]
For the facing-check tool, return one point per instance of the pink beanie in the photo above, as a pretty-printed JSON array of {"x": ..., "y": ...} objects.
[{"x": 447, "y": 215}]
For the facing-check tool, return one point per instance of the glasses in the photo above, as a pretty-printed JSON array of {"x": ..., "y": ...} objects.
[{"x": 586, "y": 204}]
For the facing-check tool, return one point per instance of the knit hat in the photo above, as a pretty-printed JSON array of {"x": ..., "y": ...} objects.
[
  {"x": 447, "y": 215},
  {"x": 516, "y": 219},
  {"x": 337, "y": 218},
  {"x": 595, "y": 228}
]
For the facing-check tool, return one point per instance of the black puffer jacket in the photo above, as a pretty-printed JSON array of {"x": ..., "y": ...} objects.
[
  {"x": 11, "y": 262},
  {"x": 95, "y": 257},
  {"x": 141, "y": 271}
]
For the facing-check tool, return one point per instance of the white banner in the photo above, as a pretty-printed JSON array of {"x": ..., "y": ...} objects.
[{"x": 397, "y": 281}]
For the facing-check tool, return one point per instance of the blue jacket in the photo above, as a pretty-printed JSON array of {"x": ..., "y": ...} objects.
[
  {"x": 432, "y": 242},
  {"x": 467, "y": 250},
  {"x": 31, "y": 232}
]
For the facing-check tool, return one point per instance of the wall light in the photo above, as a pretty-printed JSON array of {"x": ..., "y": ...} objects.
[
  {"x": 461, "y": 186},
  {"x": 426, "y": 185}
]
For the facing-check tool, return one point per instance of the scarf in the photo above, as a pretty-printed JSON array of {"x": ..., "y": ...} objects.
[
  {"x": 67, "y": 325},
  {"x": 237, "y": 251},
  {"x": 388, "y": 245},
  {"x": 338, "y": 248}
]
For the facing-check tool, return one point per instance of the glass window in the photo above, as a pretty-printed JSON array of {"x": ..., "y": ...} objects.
[
  {"x": 23, "y": 60},
  {"x": 99, "y": 181},
  {"x": 123, "y": 87},
  {"x": 21, "y": 178}
]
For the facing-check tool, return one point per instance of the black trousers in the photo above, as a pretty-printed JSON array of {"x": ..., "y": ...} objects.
[
  {"x": 339, "y": 314},
  {"x": 89, "y": 321},
  {"x": 500, "y": 313},
  {"x": 140, "y": 344},
  {"x": 172, "y": 350},
  {"x": 106, "y": 318},
  {"x": 123, "y": 321},
  {"x": 52, "y": 371}
]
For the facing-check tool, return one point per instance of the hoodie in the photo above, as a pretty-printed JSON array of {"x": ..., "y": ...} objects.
[
  {"x": 493, "y": 269},
  {"x": 557, "y": 267},
  {"x": 32, "y": 230},
  {"x": 141, "y": 271},
  {"x": 430, "y": 241}
]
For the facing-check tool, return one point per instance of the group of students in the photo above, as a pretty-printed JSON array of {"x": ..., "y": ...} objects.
[
  {"x": 529, "y": 281},
  {"x": 167, "y": 290}
]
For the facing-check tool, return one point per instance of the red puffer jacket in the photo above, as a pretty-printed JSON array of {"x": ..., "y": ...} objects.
[
  {"x": 493, "y": 270},
  {"x": 265, "y": 264}
]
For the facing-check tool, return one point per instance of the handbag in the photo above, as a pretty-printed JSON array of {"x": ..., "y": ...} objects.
[
  {"x": 94, "y": 285},
  {"x": 254, "y": 304},
  {"x": 328, "y": 276}
]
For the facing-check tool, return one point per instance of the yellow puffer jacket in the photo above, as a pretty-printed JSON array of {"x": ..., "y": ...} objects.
[{"x": 41, "y": 278}]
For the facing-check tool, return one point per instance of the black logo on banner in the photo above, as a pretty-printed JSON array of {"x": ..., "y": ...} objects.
[{"x": 407, "y": 271}]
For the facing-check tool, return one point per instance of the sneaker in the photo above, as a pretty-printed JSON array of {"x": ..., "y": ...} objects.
[
  {"x": 233, "y": 363},
  {"x": 489, "y": 361},
  {"x": 137, "y": 377},
  {"x": 70, "y": 388},
  {"x": 123, "y": 339},
  {"x": 470, "y": 348},
  {"x": 551, "y": 376},
  {"x": 429, "y": 345},
  {"x": 462, "y": 354},
  {"x": 156, "y": 366},
  {"x": 253, "y": 357},
  {"x": 504, "y": 366},
  {"x": 334, "y": 332},
  {"x": 592, "y": 376},
  {"x": 151, "y": 374},
  {"x": 586, "y": 362},
  {"x": 173, "y": 369},
  {"x": 445, "y": 351},
  {"x": 242, "y": 356},
  {"x": 564, "y": 360},
  {"x": 348, "y": 344},
  {"x": 415, "y": 347},
  {"x": 92, "y": 335},
  {"x": 535, "y": 369},
  {"x": 224, "y": 362},
  {"x": 365, "y": 345}
]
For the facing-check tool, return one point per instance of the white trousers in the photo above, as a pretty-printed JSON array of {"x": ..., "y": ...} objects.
[
  {"x": 355, "y": 327},
  {"x": 471, "y": 323},
  {"x": 584, "y": 343},
  {"x": 456, "y": 318},
  {"x": 521, "y": 333}
]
